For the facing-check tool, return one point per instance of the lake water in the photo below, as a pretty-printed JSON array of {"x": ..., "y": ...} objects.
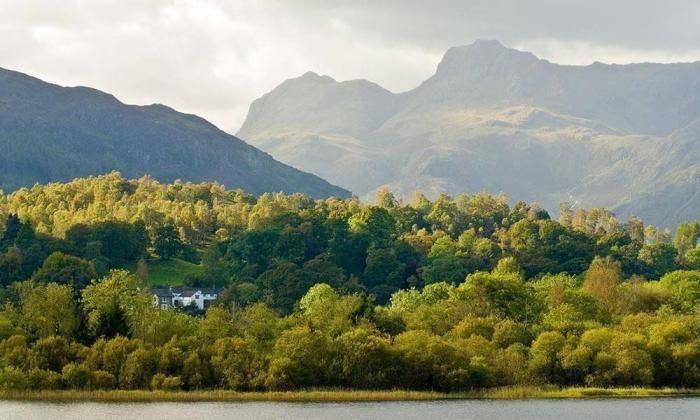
[{"x": 632, "y": 409}]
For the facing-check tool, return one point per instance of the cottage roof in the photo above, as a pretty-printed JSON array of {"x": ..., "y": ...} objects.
[
  {"x": 184, "y": 291},
  {"x": 162, "y": 292}
]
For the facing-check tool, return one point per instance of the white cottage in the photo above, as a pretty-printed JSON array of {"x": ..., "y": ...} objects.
[{"x": 201, "y": 297}]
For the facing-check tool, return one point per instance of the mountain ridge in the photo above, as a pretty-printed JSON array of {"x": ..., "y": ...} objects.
[
  {"x": 54, "y": 133},
  {"x": 500, "y": 119}
]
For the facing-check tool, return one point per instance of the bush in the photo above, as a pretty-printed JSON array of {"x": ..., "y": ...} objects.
[
  {"x": 13, "y": 378},
  {"x": 166, "y": 383},
  {"x": 172, "y": 383},
  {"x": 44, "y": 379},
  {"x": 157, "y": 381},
  {"x": 137, "y": 369},
  {"x": 76, "y": 376},
  {"x": 100, "y": 379}
]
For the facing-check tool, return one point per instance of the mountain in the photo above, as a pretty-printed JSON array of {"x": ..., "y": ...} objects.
[
  {"x": 625, "y": 137},
  {"x": 53, "y": 133}
]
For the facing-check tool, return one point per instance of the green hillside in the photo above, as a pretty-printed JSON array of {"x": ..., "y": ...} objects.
[{"x": 172, "y": 272}]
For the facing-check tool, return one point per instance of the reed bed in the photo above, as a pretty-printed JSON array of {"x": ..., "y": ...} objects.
[{"x": 332, "y": 395}]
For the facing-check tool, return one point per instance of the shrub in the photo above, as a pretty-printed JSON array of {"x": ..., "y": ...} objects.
[
  {"x": 157, "y": 381},
  {"x": 101, "y": 379},
  {"x": 166, "y": 383},
  {"x": 13, "y": 378},
  {"x": 44, "y": 379},
  {"x": 172, "y": 383},
  {"x": 76, "y": 376}
]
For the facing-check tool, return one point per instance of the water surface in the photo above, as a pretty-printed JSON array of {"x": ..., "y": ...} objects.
[{"x": 618, "y": 409}]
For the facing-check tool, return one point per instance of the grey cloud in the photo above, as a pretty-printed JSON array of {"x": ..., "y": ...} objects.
[
  {"x": 213, "y": 57},
  {"x": 641, "y": 23}
]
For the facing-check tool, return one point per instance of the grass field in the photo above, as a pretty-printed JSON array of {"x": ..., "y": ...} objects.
[
  {"x": 510, "y": 393},
  {"x": 171, "y": 272}
]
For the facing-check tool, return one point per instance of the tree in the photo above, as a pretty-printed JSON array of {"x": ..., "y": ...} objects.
[
  {"x": 300, "y": 358},
  {"x": 284, "y": 284},
  {"x": 76, "y": 376},
  {"x": 565, "y": 213},
  {"x": 26, "y": 236},
  {"x": 685, "y": 286},
  {"x": 366, "y": 360},
  {"x": 106, "y": 303},
  {"x": 601, "y": 281},
  {"x": 659, "y": 258},
  {"x": 376, "y": 223},
  {"x": 50, "y": 310},
  {"x": 65, "y": 269},
  {"x": 142, "y": 273},
  {"x": 114, "y": 353},
  {"x": 443, "y": 263},
  {"x": 167, "y": 241},
  {"x": 500, "y": 295},
  {"x": 545, "y": 361},
  {"x": 12, "y": 228},
  {"x": 692, "y": 258},
  {"x": 10, "y": 266},
  {"x": 138, "y": 368},
  {"x": 215, "y": 268},
  {"x": 196, "y": 373},
  {"x": 431, "y": 363},
  {"x": 686, "y": 238},
  {"x": 237, "y": 363},
  {"x": 50, "y": 353},
  {"x": 383, "y": 268},
  {"x": 385, "y": 199},
  {"x": 323, "y": 308}
]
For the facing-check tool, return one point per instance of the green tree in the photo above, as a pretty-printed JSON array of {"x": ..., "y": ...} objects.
[
  {"x": 383, "y": 268},
  {"x": 545, "y": 358},
  {"x": 106, "y": 303},
  {"x": 301, "y": 358},
  {"x": 67, "y": 270},
  {"x": 601, "y": 281},
  {"x": 50, "y": 310},
  {"x": 12, "y": 228},
  {"x": 659, "y": 258},
  {"x": 685, "y": 286},
  {"x": 137, "y": 369},
  {"x": 686, "y": 238},
  {"x": 167, "y": 241}
]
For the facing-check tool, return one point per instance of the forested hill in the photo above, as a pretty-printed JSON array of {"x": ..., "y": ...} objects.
[
  {"x": 52, "y": 133},
  {"x": 453, "y": 294}
]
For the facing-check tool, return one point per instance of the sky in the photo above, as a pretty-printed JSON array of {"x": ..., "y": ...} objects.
[{"x": 213, "y": 58}]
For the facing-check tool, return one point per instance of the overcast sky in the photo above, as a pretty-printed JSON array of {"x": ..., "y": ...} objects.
[{"x": 212, "y": 58}]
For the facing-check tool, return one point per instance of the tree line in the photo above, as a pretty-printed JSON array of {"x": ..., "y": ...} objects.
[{"x": 450, "y": 294}]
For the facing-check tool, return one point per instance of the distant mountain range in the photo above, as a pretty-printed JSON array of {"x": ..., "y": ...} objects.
[
  {"x": 52, "y": 133},
  {"x": 626, "y": 137}
]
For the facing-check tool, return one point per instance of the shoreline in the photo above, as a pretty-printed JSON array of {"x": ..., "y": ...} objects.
[{"x": 509, "y": 393}]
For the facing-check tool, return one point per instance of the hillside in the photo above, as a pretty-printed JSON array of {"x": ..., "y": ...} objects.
[
  {"x": 450, "y": 295},
  {"x": 619, "y": 136},
  {"x": 50, "y": 133}
]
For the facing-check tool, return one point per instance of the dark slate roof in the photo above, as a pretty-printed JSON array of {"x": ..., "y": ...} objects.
[{"x": 162, "y": 292}]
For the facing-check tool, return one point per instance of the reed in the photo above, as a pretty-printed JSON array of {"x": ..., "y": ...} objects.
[
  {"x": 340, "y": 395},
  {"x": 552, "y": 392},
  {"x": 221, "y": 395}
]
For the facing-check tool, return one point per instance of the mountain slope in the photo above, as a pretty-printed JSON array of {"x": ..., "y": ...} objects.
[
  {"x": 620, "y": 136},
  {"x": 52, "y": 133}
]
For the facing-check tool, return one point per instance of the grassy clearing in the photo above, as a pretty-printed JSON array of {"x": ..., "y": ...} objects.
[
  {"x": 509, "y": 393},
  {"x": 171, "y": 272}
]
